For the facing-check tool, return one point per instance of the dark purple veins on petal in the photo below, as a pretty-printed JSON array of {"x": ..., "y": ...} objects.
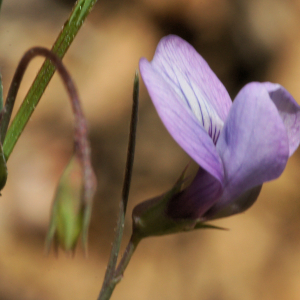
[
  {"x": 193, "y": 81},
  {"x": 194, "y": 99}
]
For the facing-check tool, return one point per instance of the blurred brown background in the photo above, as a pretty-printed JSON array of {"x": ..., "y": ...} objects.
[{"x": 243, "y": 40}]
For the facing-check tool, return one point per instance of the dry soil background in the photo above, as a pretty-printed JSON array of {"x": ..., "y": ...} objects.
[{"x": 243, "y": 40}]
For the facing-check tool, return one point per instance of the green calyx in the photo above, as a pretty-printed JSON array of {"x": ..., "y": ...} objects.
[{"x": 150, "y": 218}]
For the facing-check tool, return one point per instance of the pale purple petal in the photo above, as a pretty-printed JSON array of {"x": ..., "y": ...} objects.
[
  {"x": 289, "y": 111},
  {"x": 181, "y": 122},
  {"x": 253, "y": 144},
  {"x": 197, "y": 87},
  {"x": 195, "y": 200}
]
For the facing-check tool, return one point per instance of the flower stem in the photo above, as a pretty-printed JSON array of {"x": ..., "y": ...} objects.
[
  {"x": 64, "y": 40},
  {"x": 108, "y": 289},
  {"x": 110, "y": 271},
  {"x": 131, "y": 143},
  {"x": 80, "y": 123},
  {"x": 81, "y": 143},
  {"x": 1, "y": 92}
]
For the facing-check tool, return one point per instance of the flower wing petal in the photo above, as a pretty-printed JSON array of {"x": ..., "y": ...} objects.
[
  {"x": 195, "y": 83},
  {"x": 181, "y": 122},
  {"x": 253, "y": 145},
  {"x": 289, "y": 111}
]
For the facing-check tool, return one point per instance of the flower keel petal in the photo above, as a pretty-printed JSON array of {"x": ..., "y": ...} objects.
[{"x": 289, "y": 111}]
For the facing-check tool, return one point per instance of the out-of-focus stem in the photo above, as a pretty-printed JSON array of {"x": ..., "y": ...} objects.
[
  {"x": 82, "y": 147},
  {"x": 1, "y": 91},
  {"x": 64, "y": 40}
]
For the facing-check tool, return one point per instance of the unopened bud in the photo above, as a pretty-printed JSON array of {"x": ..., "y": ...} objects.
[{"x": 69, "y": 209}]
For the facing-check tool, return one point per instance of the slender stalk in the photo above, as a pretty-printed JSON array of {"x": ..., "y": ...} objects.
[
  {"x": 63, "y": 42},
  {"x": 131, "y": 143},
  {"x": 132, "y": 245},
  {"x": 80, "y": 123},
  {"x": 3, "y": 167},
  {"x": 81, "y": 143},
  {"x": 110, "y": 271},
  {"x": 82, "y": 147},
  {"x": 1, "y": 91},
  {"x": 118, "y": 274}
]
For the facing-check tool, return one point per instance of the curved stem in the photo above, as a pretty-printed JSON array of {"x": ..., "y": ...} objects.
[
  {"x": 82, "y": 148},
  {"x": 70, "y": 29},
  {"x": 80, "y": 123},
  {"x": 18, "y": 76},
  {"x": 110, "y": 271}
]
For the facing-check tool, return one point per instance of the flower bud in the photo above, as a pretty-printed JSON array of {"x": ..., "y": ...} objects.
[{"x": 69, "y": 210}]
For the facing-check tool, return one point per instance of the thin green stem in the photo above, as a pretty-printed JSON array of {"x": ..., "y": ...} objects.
[
  {"x": 118, "y": 274},
  {"x": 63, "y": 42},
  {"x": 81, "y": 142},
  {"x": 110, "y": 271},
  {"x": 132, "y": 245},
  {"x": 80, "y": 122},
  {"x": 1, "y": 91}
]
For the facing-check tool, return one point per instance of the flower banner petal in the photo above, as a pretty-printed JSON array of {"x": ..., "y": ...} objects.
[
  {"x": 289, "y": 111},
  {"x": 181, "y": 122},
  {"x": 196, "y": 85},
  {"x": 254, "y": 144}
]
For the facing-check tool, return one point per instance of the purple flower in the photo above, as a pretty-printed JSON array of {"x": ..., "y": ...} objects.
[{"x": 238, "y": 146}]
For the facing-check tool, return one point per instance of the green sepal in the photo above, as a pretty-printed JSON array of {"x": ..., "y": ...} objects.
[{"x": 150, "y": 218}]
